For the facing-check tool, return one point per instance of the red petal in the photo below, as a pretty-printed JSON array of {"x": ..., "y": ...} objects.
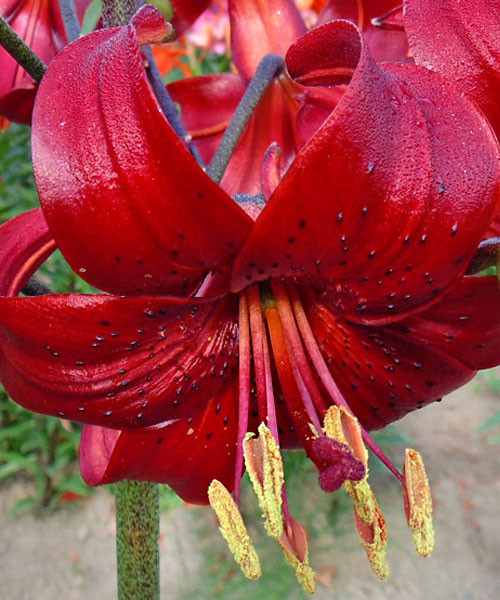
[
  {"x": 386, "y": 372},
  {"x": 219, "y": 95},
  {"x": 117, "y": 362},
  {"x": 186, "y": 454},
  {"x": 259, "y": 28},
  {"x": 107, "y": 161},
  {"x": 39, "y": 24},
  {"x": 186, "y": 12},
  {"x": 25, "y": 242},
  {"x": 465, "y": 324},
  {"x": 384, "y": 44},
  {"x": 461, "y": 40},
  {"x": 389, "y": 199}
]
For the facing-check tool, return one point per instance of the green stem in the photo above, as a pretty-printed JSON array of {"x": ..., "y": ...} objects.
[
  {"x": 137, "y": 531},
  {"x": 117, "y": 12},
  {"x": 20, "y": 52}
]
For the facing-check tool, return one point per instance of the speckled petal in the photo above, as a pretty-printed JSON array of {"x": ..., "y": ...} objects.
[
  {"x": 128, "y": 206},
  {"x": 387, "y": 202},
  {"x": 117, "y": 362},
  {"x": 186, "y": 454}
]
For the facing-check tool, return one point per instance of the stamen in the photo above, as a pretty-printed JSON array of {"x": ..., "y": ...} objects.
[
  {"x": 343, "y": 427},
  {"x": 418, "y": 503},
  {"x": 233, "y": 529},
  {"x": 265, "y": 468},
  {"x": 294, "y": 544},
  {"x": 296, "y": 352},
  {"x": 293, "y": 397},
  {"x": 244, "y": 390},
  {"x": 258, "y": 333},
  {"x": 326, "y": 377}
]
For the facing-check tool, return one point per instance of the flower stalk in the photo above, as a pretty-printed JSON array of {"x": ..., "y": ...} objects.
[
  {"x": 20, "y": 51},
  {"x": 117, "y": 12},
  {"x": 137, "y": 530},
  {"x": 70, "y": 19}
]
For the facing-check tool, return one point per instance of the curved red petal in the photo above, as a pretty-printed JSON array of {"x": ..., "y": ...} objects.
[
  {"x": 39, "y": 24},
  {"x": 185, "y": 454},
  {"x": 461, "y": 40},
  {"x": 117, "y": 362},
  {"x": 389, "y": 199},
  {"x": 386, "y": 372},
  {"x": 260, "y": 27},
  {"x": 207, "y": 104},
  {"x": 185, "y": 13},
  {"x": 106, "y": 161},
  {"x": 17, "y": 105},
  {"x": 384, "y": 44},
  {"x": 465, "y": 324},
  {"x": 25, "y": 242}
]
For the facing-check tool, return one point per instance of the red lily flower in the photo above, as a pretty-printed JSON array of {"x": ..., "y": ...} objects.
[
  {"x": 347, "y": 289},
  {"x": 40, "y": 25}
]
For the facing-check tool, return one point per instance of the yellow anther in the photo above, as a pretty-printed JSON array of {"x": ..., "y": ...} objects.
[
  {"x": 294, "y": 544},
  {"x": 265, "y": 467},
  {"x": 343, "y": 427},
  {"x": 418, "y": 503},
  {"x": 233, "y": 529}
]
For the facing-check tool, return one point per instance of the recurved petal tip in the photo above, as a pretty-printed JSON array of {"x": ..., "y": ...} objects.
[{"x": 151, "y": 26}]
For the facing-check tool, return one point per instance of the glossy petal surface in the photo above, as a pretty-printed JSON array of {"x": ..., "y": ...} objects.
[
  {"x": 106, "y": 181},
  {"x": 123, "y": 362},
  {"x": 186, "y": 454},
  {"x": 260, "y": 27},
  {"x": 386, "y": 372},
  {"x": 387, "y": 201},
  {"x": 461, "y": 40},
  {"x": 25, "y": 242}
]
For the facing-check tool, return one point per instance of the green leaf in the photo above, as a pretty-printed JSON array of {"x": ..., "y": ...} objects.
[{"x": 91, "y": 17}]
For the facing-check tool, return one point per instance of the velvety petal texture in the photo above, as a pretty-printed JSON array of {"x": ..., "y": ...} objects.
[
  {"x": 386, "y": 203},
  {"x": 461, "y": 40},
  {"x": 106, "y": 182},
  {"x": 260, "y": 27},
  {"x": 186, "y": 453},
  {"x": 123, "y": 362}
]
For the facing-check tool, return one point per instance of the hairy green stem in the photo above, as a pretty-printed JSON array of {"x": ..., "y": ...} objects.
[
  {"x": 20, "y": 51},
  {"x": 70, "y": 19},
  {"x": 269, "y": 67},
  {"x": 117, "y": 12},
  {"x": 137, "y": 531}
]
